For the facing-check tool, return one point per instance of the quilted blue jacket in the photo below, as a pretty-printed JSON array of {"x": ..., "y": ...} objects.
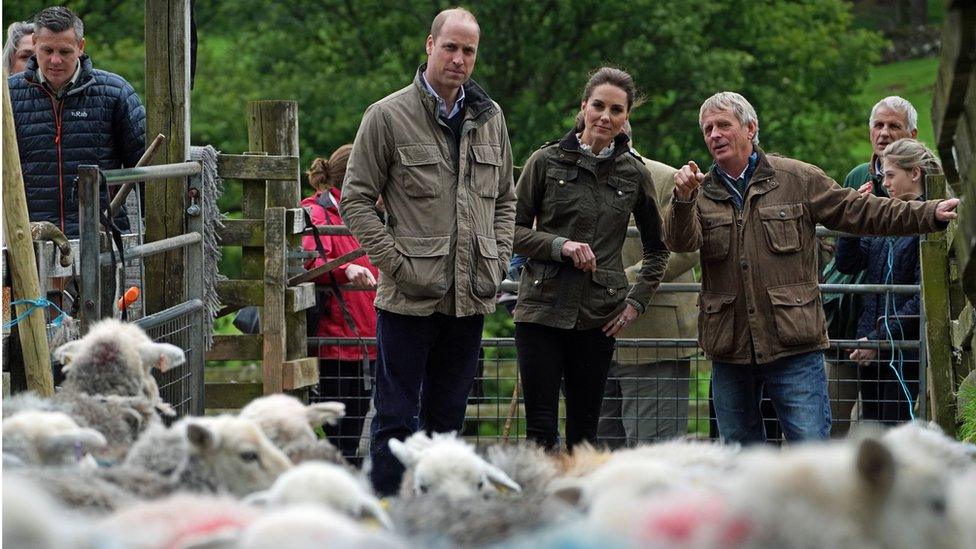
[
  {"x": 886, "y": 260},
  {"x": 100, "y": 120}
]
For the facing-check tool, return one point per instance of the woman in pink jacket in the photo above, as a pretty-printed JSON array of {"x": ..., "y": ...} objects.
[{"x": 343, "y": 369}]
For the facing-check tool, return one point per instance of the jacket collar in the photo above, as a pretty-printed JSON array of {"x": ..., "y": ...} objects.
[
  {"x": 762, "y": 180},
  {"x": 477, "y": 105},
  {"x": 569, "y": 143},
  {"x": 84, "y": 77}
]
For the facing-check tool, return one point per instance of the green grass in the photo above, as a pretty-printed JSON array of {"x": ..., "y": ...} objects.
[{"x": 915, "y": 81}]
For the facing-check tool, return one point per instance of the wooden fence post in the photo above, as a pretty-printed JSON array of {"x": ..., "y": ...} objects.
[
  {"x": 22, "y": 261},
  {"x": 275, "y": 280},
  {"x": 167, "y": 112},
  {"x": 935, "y": 300},
  {"x": 272, "y": 127}
]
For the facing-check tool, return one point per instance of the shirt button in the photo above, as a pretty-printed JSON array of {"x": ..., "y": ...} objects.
[
  {"x": 536, "y": 282},
  {"x": 620, "y": 193},
  {"x": 782, "y": 213},
  {"x": 745, "y": 266},
  {"x": 752, "y": 310},
  {"x": 760, "y": 355},
  {"x": 562, "y": 182},
  {"x": 797, "y": 300},
  {"x": 611, "y": 291},
  {"x": 579, "y": 162}
]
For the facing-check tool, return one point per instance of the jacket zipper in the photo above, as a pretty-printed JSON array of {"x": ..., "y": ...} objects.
[{"x": 58, "y": 109}]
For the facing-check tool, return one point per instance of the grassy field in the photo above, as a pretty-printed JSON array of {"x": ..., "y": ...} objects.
[{"x": 914, "y": 80}]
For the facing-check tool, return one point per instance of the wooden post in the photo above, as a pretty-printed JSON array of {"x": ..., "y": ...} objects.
[
  {"x": 272, "y": 127},
  {"x": 23, "y": 262},
  {"x": 935, "y": 300},
  {"x": 168, "y": 113},
  {"x": 273, "y": 323}
]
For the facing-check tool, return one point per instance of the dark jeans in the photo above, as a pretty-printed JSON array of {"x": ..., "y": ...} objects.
[
  {"x": 548, "y": 356},
  {"x": 424, "y": 371},
  {"x": 342, "y": 381},
  {"x": 796, "y": 385}
]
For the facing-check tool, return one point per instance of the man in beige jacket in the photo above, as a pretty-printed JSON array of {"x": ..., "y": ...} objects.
[
  {"x": 646, "y": 396},
  {"x": 437, "y": 152}
]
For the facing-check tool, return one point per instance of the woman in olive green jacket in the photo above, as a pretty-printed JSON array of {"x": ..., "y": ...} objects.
[{"x": 574, "y": 201}]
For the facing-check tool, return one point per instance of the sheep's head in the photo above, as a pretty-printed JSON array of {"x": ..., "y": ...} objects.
[
  {"x": 286, "y": 420},
  {"x": 49, "y": 438},
  {"x": 447, "y": 466},
  {"x": 325, "y": 484},
  {"x": 115, "y": 358},
  {"x": 236, "y": 452}
]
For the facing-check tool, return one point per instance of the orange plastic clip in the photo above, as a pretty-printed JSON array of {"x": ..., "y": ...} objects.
[{"x": 129, "y": 297}]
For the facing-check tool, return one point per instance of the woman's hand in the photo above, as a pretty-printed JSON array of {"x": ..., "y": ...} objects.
[
  {"x": 581, "y": 254},
  {"x": 360, "y": 276},
  {"x": 621, "y": 321},
  {"x": 863, "y": 357}
]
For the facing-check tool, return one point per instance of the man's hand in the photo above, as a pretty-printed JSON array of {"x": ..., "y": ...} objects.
[
  {"x": 360, "y": 276},
  {"x": 863, "y": 357},
  {"x": 581, "y": 254},
  {"x": 866, "y": 189},
  {"x": 687, "y": 180},
  {"x": 946, "y": 210}
]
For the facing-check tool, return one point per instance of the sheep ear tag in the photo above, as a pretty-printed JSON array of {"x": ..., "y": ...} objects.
[
  {"x": 161, "y": 356},
  {"x": 502, "y": 482}
]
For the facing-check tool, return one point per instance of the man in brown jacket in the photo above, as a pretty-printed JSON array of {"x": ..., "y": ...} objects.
[
  {"x": 646, "y": 396},
  {"x": 753, "y": 218},
  {"x": 438, "y": 154}
]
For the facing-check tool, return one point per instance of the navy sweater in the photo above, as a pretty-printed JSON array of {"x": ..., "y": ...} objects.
[{"x": 100, "y": 120}]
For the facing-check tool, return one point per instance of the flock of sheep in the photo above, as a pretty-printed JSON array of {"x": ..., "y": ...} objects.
[{"x": 95, "y": 466}]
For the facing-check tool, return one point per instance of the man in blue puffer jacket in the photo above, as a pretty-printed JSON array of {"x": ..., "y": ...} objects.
[{"x": 67, "y": 114}]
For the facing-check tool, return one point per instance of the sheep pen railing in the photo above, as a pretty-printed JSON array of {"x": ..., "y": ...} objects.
[
  {"x": 184, "y": 324},
  {"x": 496, "y": 412}
]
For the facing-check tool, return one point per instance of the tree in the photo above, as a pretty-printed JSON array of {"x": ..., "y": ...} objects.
[{"x": 801, "y": 63}]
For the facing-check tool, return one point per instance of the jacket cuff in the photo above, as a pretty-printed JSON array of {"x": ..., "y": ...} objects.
[
  {"x": 635, "y": 304},
  {"x": 556, "y": 251},
  {"x": 692, "y": 200}
]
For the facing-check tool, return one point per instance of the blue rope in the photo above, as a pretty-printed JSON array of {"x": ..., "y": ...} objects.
[{"x": 39, "y": 303}]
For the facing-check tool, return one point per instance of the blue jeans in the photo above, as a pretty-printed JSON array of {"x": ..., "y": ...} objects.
[
  {"x": 425, "y": 367},
  {"x": 797, "y": 386}
]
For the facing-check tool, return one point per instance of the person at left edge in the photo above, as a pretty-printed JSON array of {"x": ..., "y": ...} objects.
[{"x": 68, "y": 113}]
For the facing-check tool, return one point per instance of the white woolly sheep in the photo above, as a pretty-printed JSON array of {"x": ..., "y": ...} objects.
[
  {"x": 309, "y": 526},
  {"x": 325, "y": 484},
  {"x": 221, "y": 454},
  {"x": 528, "y": 465},
  {"x": 48, "y": 438},
  {"x": 289, "y": 424},
  {"x": 842, "y": 494},
  {"x": 119, "y": 419},
  {"x": 438, "y": 521},
  {"x": 117, "y": 358},
  {"x": 910, "y": 439},
  {"x": 448, "y": 466},
  {"x": 181, "y": 520},
  {"x": 31, "y": 518}
]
